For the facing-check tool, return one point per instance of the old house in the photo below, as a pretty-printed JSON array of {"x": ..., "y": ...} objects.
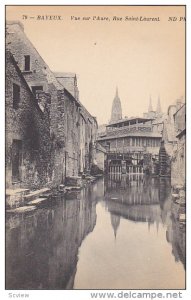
[
  {"x": 179, "y": 152},
  {"x": 27, "y": 132},
  {"x": 132, "y": 144},
  {"x": 169, "y": 138},
  {"x": 40, "y": 78},
  {"x": 66, "y": 135},
  {"x": 87, "y": 124}
]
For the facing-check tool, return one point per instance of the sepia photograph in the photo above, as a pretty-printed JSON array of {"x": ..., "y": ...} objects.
[{"x": 95, "y": 147}]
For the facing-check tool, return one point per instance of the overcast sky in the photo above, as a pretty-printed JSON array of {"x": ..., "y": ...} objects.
[{"x": 141, "y": 58}]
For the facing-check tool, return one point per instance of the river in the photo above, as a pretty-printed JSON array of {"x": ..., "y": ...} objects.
[{"x": 117, "y": 233}]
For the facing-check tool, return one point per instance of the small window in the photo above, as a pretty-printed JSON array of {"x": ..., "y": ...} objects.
[
  {"x": 16, "y": 95},
  {"x": 27, "y": 63},
  {"x": 35, "y": 89}
]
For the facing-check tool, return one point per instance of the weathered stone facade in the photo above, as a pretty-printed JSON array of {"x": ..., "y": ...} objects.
[
  {"x": 71, "y": 146},
  {"x": 172, "y": 151},
  {"x": 178, "y": 164},
  {"x": 69, "y": 81},
  {"x": 27, "y": 132}
]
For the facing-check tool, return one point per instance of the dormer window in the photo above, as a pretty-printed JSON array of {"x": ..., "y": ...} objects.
[{"x": 27, "y": 63}]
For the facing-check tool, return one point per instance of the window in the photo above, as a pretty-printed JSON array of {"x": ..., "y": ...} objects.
[
  {"x": 27, "y": 63},
  {"x": 16, "y": 95},
  {"x": 35, "y": 89}
]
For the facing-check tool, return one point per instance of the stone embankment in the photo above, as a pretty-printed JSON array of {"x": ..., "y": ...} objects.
[{"x": 24, "y": 200}]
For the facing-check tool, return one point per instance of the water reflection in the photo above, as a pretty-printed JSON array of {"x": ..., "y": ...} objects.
[
  {"x": 42, "y": 247},
  {"x": 116, "y": 233},
  {"x": 145, "y": 199},
  {"x": 140, "y": 200}
]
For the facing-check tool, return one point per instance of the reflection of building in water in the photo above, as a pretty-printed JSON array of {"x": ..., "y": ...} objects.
[
  {"x": 164, "y": 190},
  {"x": 42, "y": 247},
  {"x": 137, "y": 199},
  {"x": 132, "y": 189},
  {"x": 136, "y": 212},
  {"x": 148, "y": 201},
  {"x": 115, "y": 221}
]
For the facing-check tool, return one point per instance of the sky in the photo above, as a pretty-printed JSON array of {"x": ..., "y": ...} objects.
[{"x": 141, "y": 58}]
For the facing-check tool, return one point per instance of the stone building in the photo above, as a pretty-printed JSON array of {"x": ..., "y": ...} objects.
[
  {"x": 178, "y": 164},
  {"x": 65, "y": 116},
  {"x": 69, "y": 81},
  {"x": 173, "y": 132},
  {"x": 86, "y": 122},
  {"x": 28, "y": 149}
]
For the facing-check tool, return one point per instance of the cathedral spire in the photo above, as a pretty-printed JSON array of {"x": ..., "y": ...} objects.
[
  {"x": 116, "y": 112},
  {"x": 116, "y": 95},
  {"x": 158, "y": 106},
  {"x": 150, "y": 105},
  {"x": 115, "y": 222}
]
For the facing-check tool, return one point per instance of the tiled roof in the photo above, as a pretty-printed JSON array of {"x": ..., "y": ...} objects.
[
  {"x": 130, "y": 119},
  {"x": 64, "y": 74},
  {"x": 132, "y": 134}
]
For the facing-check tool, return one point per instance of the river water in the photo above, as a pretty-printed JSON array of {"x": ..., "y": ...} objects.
[{"x": 118, "y": 233}]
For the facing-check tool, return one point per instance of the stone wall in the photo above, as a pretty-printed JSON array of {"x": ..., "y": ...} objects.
[
  {"x": 178, "y": 168},
  {"x": 178, "y": 163},
  {"x": 174, "y": 144},
  {"x": 72, "y": 149},
  {"x": 72, "y": 130},
  {"x": 69, "y": 82},
  {"x": 29, "y": 125}
]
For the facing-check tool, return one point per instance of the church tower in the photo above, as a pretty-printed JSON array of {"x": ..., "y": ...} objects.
[
  {"x": 116, "y": 113},
  {"x": 150, "y": 108},
  {"x": 159, "y": 111}
]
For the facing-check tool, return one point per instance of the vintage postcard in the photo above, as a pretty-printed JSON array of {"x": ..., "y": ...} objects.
[{"x": 96, "y": 148}]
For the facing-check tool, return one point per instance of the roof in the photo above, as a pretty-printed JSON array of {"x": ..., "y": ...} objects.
[
  {"x": 64, "y": 74},
  {"x": 9, "y": 56},
  {"x": 180, "y": 134},
  {"x": 67, "y": 75},
  {"x": 180, "y": 108},
  {"x": 15, "y": 22},
  {"x": 130, "y": 120},
  {"x": 132, "y": 134},
  {"x": 51, "y": 77},
  {"x": 100, "y": 148}
]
